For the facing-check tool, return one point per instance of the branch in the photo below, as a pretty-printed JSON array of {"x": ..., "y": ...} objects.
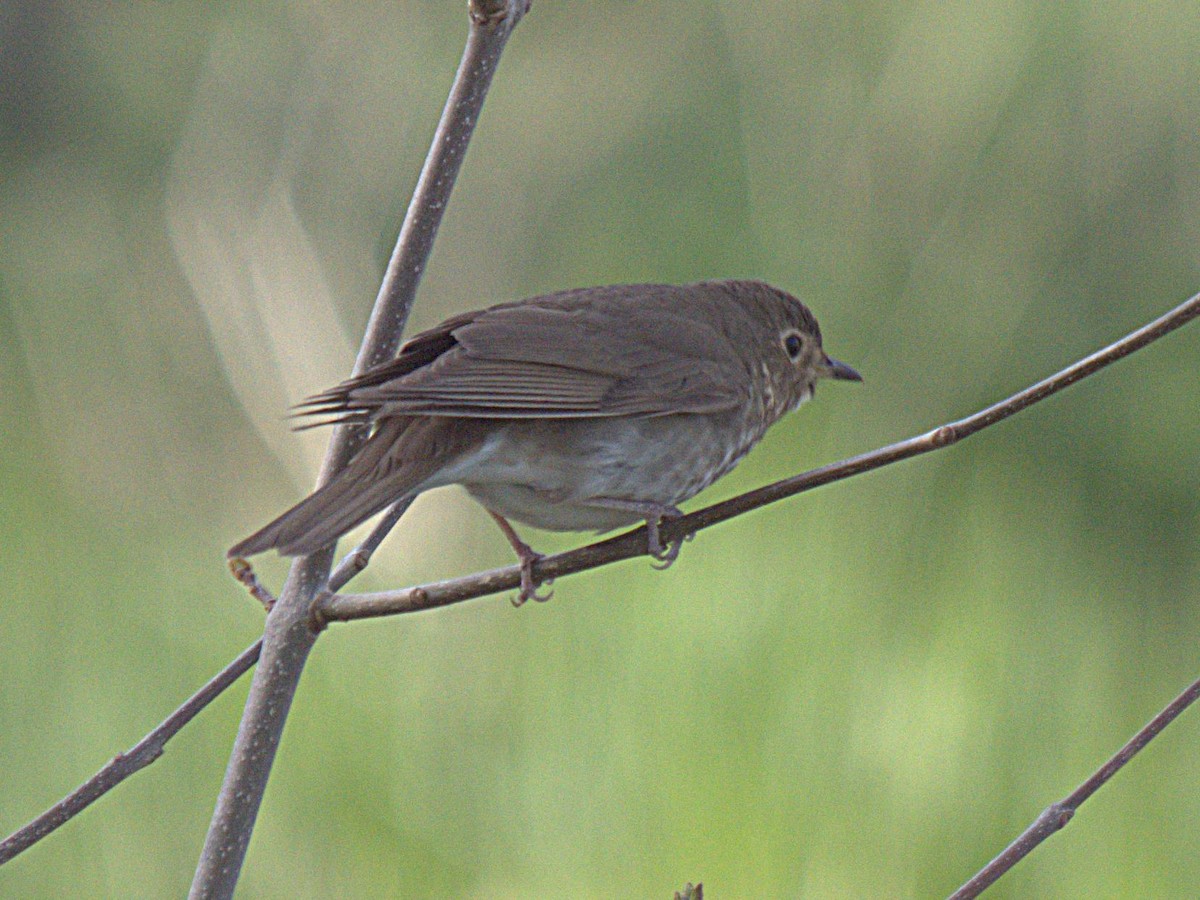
[
  {"x": 358, "y": 558},
  {"x": 1057, "y": 815},
  {"x": 344, "y": 607},
  {"x": 144, "y": 752},
  {"x": 626, "y": 546},
  {"x": 150, "y": 748},
  {"x": 289, "y": 634}
]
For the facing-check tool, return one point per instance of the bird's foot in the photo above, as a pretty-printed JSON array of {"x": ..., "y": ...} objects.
[
  {"x": 654, "y": 514},
  {"x": 529, "y": 586},
  {"x": 527, "y": 556},
  {"x": 668, "y": 554}
]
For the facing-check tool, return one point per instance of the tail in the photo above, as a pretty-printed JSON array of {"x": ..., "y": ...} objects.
[{"x": 368, "y": 485}]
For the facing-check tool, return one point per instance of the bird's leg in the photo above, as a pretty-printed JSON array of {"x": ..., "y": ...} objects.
[
  {"x": 654, "y": 514},
  {"x": 528, "y": 556}
]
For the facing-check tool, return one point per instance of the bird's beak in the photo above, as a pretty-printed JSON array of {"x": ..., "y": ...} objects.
[{"x": 840, "y": 371}]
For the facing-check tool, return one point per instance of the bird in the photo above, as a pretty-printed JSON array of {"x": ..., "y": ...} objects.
[{"x": 582, "y": 410}]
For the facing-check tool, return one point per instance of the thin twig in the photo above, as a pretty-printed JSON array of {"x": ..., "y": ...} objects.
[
  {"x": 246, "y": 576},
  {"x": 626, "y": 546},
  {"x": 344, "y": 607},
  {"x": 360, "y": 557},
  {"x": 1057, "y": 815},
  {"x": 290, "y": 632},
  {"x": 289, "y": 639},
  {"x": 140, "y": 755}
]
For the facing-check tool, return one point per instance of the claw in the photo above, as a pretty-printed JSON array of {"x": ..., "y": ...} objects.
[
  {"x": 665, "y": 555},
  {"x": 528, "y": 585},
  {"x": 528, "y": 556},
  {"x": 654, "y": 514}
]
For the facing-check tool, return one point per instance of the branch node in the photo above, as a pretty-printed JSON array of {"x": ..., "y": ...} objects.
[
  {"x": 317, "y": 621},
  {"x": 1061, "y": 813},
  {"x": 490, "y": 13},
  {"x": 943, "y": 436}
]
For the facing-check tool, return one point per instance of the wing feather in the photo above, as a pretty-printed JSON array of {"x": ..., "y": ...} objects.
[{"x": 575, "y": 354}]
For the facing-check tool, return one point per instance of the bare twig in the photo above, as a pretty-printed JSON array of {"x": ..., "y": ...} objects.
[
  {"x": 140, "y": 755},
  {"x": 1057, "y": 815},
  {"x": 351, "y": 565},
  {"x": 246, "y": 576},
  {"x": 358, "y": 558},
  {"x": 289, "y": 634},
  {"x": 343, "y": 607},
  {"x": 626, "y": 546}
]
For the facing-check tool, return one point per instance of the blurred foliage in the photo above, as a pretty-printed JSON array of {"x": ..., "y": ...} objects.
[{"x": 864, "y": 692}]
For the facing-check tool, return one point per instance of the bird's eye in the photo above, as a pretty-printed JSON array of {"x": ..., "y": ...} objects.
[{"x": 793, "y": 344}]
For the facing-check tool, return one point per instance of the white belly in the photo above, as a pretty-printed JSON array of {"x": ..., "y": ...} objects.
[{"x": 549, "y": 473}]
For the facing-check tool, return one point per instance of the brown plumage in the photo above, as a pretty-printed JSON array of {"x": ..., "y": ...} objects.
[{"x": 581, "y": 410}]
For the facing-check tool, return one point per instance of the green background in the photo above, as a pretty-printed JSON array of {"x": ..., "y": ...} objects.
[{"x": 863, "y": 692}]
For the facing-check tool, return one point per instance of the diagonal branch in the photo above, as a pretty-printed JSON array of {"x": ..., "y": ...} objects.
[
  {"x": 1056, "y": 816},
  {"x": 344, "y": 607},
  {"x": 358, "y": 558},
  {"x": 626, "y": 546},
  {"x": 121, "y": 766},
  {"x": 289, "y": 635}
]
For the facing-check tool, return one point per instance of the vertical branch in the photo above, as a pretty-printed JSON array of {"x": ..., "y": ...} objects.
[
  {"x": 492, "y": 21},
  {"x": 290, "y": 632}
]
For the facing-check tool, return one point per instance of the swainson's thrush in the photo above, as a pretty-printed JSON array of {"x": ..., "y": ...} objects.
[{"x": 576, "y": 411}]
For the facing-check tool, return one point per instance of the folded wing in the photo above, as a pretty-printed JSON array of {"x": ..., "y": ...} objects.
[{"x": 573, "y": 354}]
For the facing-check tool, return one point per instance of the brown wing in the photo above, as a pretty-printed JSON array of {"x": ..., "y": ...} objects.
[
  {"x": 397, "y": 461},
  {"x": 624, "y": 350}
]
